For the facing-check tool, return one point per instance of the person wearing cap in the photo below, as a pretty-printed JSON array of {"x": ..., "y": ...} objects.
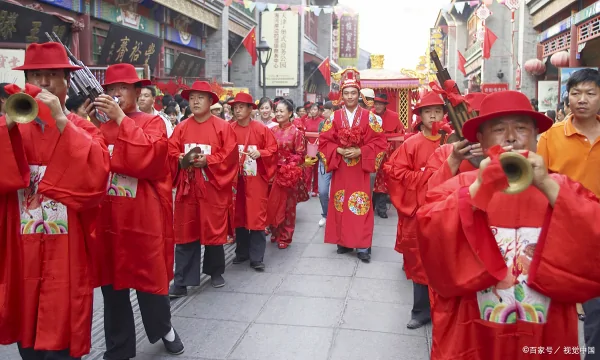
[
  {"x": 408, "y": 171},
  {"x": 54, "y": 174},
  {"x": 217, "y": 109},
  {"x": 204, "y": 164},
  {"x": 367, "y": 97},
  {"x": 392, "y": 127},
  {"x": 508, "y": 268},
  {"x": 258, "y": 162},
  {"x": 352, "y": 146},
  {"x": 135, "y": 218}
]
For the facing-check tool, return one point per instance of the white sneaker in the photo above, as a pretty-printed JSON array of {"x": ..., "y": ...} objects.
[{"x": 322, "y": 222}]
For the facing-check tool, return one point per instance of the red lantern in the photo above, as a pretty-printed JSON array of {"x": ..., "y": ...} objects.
[
  {"x": 560, "y": 59},
  {"x": 535, "y": 67}
]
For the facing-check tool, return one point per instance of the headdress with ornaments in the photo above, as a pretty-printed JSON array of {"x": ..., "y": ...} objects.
[{"x": 350, "y": 78}]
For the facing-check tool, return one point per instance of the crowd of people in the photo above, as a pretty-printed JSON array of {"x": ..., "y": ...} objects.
[{"x": 128, "y": 204}]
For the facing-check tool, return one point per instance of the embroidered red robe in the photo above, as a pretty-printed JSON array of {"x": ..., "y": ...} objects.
[
  {"x": 252, "y": 185},
  {"x": 49, "y": 181},
  {"x": 137, "y": 215},
  {"x": 350, "y": 215},
  {"x": 203, "y": 198},
  {"x": 408, "y": 169},
  {"x": 392, "y": 127},
  {"x": 508, "y": 278}
]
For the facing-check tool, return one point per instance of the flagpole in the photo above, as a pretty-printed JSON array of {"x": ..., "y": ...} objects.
[
  {"x": 236, "y": 49},
  {"x": 312, "y": 73}
]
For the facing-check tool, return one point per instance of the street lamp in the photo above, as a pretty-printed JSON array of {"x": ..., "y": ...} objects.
[{"x": 264, "y": 55}]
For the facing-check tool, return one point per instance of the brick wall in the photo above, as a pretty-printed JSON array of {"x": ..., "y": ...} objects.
[{"x": 217, "y": 49}]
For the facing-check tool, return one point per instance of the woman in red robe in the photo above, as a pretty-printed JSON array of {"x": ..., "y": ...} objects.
[
  {"x": 311, "y": 125},
  {"x": 508, "y": 268},
  {"x": 352, "y": 146},
  {"x": 203, "y": 183},
  {"x": 291, "y": 150},
  {"x": 54, "y": 173},
  {"x": 258, "y": 163}
]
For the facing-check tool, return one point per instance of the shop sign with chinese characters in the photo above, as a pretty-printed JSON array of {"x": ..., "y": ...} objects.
[
  {"x": 492, "y": 88},
  {"x": 281, "y": 31},
  {"x": 10, "y": 58},
  {"x": 348, "y": 37},
  {"x": 19, "y": 24},
  {"x": 125, "y": 45},
  {"x": 187, "y": 65}
]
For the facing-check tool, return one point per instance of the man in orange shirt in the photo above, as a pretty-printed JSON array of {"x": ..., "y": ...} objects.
[{"x": 572, "y": 148}]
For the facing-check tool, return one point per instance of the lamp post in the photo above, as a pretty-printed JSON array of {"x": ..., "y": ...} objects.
[{"x": 264, "y": 55}]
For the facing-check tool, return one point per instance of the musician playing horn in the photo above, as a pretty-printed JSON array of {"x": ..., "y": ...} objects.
[
  {"x": 135, "y": 230},
  {"x": 54, "y": 171},
  {"x": 508, "y": 268}
]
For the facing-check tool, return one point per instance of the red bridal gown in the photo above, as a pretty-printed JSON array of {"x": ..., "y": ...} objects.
[
  {"x": 509, "y": 278},
  {"x": 49, "y": 182},
  {"x": 350, "y": 215},
  {"x": 391, "y": 127}
]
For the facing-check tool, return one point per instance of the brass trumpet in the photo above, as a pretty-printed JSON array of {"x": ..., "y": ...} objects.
[
  {"x": 518, "y": 171},
  {"x": 21, "y": 108}
]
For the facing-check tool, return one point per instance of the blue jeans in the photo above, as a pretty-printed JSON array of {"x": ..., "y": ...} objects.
[{"x": 324, "y": 181}]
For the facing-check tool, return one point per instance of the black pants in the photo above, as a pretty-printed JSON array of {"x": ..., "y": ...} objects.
[
  {"x": 421, "y": 310},
  {"x": 30, "y": 354},
  {"x": 591, "y": 327},
  {"x": 119, "y": 323},
  {"x": 187, "y": 262},
  {"x": 380, "y": 202},
  {"x": 250, "y": 244}
]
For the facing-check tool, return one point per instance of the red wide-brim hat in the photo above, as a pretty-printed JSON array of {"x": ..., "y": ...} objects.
[
  {"x": 504, "y": 103},
  {"x": 50, "y": 55},
  {"x": 381, "y": 100},
  {"x": 243, "y": 98},
  {"x": 123, "y": 73},
  {"x": 429, "y": 99},
  {"x": 475, "y": 100},
  {"x": 200, "y": 86}
]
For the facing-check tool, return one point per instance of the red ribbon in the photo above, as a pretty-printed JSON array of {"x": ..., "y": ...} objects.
[
  {"x": 44, "y": 112},
  {"x": 449, "y": 92},
  {"x": 493, "y": 179},
  {"x": 441, "y": 125}
]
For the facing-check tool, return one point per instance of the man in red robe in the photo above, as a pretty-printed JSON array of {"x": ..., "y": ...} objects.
[
  {"x": 410, "y": 177},
  {"x": 135, "y": 234},
  {"x": 54, "y": 172},
  {"x": 204, "y": 158},
  {"x": 352, "y": 146},
  {"x": 392, "y": 127},
  {"x": 258, "y": 163},
  {"x": 508, "y": 268}
]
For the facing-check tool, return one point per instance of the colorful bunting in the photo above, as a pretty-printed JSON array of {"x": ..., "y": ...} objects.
[{"x": 299, "y": 9}]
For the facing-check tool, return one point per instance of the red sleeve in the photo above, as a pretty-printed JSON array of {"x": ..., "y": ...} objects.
[
  {"x": 458, "y": 250},
  {"x": 222, "y": 165},
  {"x": 174, "y": 149},
  {"x": 438, "y": 166},
  {"x": 13, "y": 162},
  {"x": 300, "y": 145},
  {"x": 393, "y": 185},
  {"x": 141, "y": 152},
  {"x": 267, "y": 162},
  {"x": 77, "y": 173},
  {"x": 374, "y": 143},
  {"x": 328, "y": 145},
  {"x": 565, "y": 264}
]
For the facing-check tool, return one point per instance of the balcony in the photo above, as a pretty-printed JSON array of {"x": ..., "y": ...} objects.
[{"x": 473, "y": 51}]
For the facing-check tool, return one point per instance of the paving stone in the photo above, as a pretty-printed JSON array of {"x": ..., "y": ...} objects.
[
  {"x": 279, "y": 342},
  {"x": 385, "y": 241},
  {"x": 315, "y": 286},
  {"x": 251, "y": 281},
  {"x": 224, "y": 306},
  {"x": 385, "y": 254},
  {"x": 317, "y": 266},
  {"x": 360, "y": 345},
  {"x": 380, "y": 270},
  {"x": 381, "y": 290},
  {"x": 380, "y": 317},
  {"x": 385, "y": 229},
  {"x": 321, "y": 250},
  {"x": 302, "y": 311},
  {"x": 304, "y": 236}
]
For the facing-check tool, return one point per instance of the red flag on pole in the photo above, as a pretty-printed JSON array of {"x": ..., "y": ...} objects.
[
  {"x": 250, "y": 44},
  {"x": 461, "y": 63},
  {"x": 488, "y": 41},
  {"x": 325, "y": 70}
]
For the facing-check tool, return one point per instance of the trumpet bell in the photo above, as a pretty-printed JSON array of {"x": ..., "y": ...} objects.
[
  {"x": 21, "y": 108},
  {"x": 518, "y": 171}
]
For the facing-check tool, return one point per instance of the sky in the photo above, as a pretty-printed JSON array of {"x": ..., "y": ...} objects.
[{"x": 398, "y": 29}]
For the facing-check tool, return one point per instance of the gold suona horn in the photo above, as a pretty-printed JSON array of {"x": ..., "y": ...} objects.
[
  {"x": 518, "y": 171},
  {"x": 21, "y": 108}
]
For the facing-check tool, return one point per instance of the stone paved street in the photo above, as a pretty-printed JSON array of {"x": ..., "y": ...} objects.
[{"x": 309, "y": 304}]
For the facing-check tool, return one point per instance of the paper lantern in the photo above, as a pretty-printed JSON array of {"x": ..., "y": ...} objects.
[
  {"x": 535, "y": 67},
  {"x": 560, "y": 59}
]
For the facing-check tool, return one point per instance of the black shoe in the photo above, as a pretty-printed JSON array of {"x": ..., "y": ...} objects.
[
  {"x": 382, "y": 214},
  {"x": 257, "y": 265},
  {"x": 174, "y": 347},
  {"x": 343, "y": 250},
  {"x": 217, "y": 281},
  {"x": 364, "y": 256},
  {"x": 177, "y": 291},
  {"x": 239, "y": 260},
  {"x": 581, "y": 317},
  {"x": 415, "y": 324}
]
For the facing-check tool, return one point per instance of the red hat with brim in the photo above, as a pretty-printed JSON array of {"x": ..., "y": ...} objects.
[
  {"x": 475, "y": 100},
  {"x": 200, "y": 86},
  {"x": 48, "y": 55},
  {"x": 504, "y": 103},
  {"x": 429, "y": 99},
  {"x": 243, "y": 98},
  {"x": 123, "y": 73}
]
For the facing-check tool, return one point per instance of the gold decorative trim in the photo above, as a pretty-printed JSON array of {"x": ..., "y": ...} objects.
[
  {"x": 238, "y": 29},
  {"x": 193, "y": 11}
]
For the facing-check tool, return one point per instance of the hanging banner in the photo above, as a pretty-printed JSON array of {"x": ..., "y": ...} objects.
[
  {"x": 281, "y": 31},
  {"x": 19, "y": 24},
  {"x": 547, "y": 95},
  {"x": 126, "y": 45},
  {"x": 10, "y": 58},
  {"x": 436, "y": 43},
  {"x": 187, "y": 65},
  {"x": 348, "y": 50}
]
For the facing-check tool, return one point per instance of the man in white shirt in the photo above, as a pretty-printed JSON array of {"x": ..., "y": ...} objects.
[{"x": 146, "y": 104}]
